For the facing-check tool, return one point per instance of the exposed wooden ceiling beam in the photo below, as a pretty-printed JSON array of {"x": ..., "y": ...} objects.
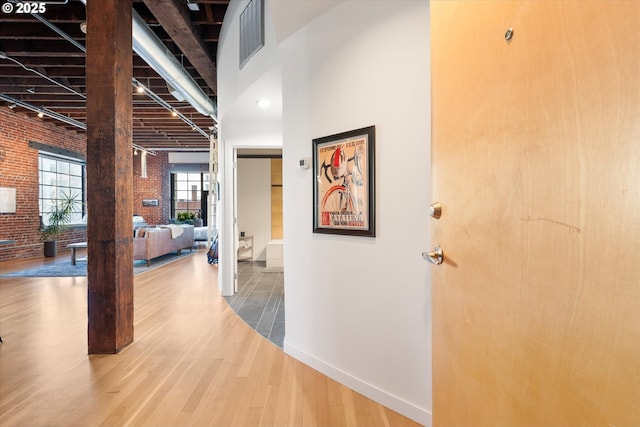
[
  {"x": 174, "y": 17},
  {"x": 29, "y": 43}
]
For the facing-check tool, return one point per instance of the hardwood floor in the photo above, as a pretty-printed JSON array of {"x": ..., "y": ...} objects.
[{"x": 193, "y": 362}]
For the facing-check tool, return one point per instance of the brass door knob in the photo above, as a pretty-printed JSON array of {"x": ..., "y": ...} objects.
[{"x": 435, "y": 210}]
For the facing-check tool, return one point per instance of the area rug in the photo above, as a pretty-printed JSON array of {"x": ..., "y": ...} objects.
[{"x": 63, "y": 267}]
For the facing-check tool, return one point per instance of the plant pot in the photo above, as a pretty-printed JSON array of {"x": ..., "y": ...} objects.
[{"x": 50, "y": 249}]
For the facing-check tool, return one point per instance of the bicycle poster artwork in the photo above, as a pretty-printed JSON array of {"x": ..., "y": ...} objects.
[{"x": 344, "y": 187}]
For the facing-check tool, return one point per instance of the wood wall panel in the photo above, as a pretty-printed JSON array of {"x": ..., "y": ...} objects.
[
  {"x": 276, "y": 199},
  {"x": 276, "y": 171}
]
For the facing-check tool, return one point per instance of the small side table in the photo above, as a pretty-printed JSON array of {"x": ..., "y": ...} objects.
[
  {"x": 74, "y": 247},
  {"x": 245, "y": 248}
]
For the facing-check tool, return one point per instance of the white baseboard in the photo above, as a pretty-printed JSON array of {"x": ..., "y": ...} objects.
[{"x": 409, "y": 410}]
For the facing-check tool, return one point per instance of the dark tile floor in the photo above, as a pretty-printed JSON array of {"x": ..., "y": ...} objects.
[{"x": 260, "y": 300}]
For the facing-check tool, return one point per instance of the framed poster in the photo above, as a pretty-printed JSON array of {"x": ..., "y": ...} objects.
[
  {"x": 343, "y": 186},
  {"x": 7, "y": 200}
]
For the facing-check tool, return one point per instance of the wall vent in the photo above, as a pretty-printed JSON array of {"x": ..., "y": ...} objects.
[{"x": 251, "y": 30}]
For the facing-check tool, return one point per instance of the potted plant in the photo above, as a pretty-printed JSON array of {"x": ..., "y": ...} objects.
[
  {"x": 185, "y": 217},
  {"x": 59, "y": 219},
  {"x": 197, "y": 221}
]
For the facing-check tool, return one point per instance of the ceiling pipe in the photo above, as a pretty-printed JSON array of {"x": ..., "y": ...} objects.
[
  {"x": 136, "y": 83},
  {"x": 151, "y": 49},
  {"x": 44, "y": 76},
  {"x": 43, "y": 111},
  {"x": 57, "y": 116},
  {"x": 156, "y": 98}
]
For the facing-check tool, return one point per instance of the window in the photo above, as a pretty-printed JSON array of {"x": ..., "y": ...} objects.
[
  {"x": 190, "y": 193},
  {"x": 187, "y": 192},
  {"x": 60, "y": 176}
]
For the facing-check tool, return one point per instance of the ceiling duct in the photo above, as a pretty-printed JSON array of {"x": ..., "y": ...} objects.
[
  {"x": 151, "y": 49},
  {"x": 177, "y": 95}
]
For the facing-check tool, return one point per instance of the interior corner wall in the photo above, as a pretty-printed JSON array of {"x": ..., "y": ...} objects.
[
  {"x": 236, "y": 80},
  {"x": 358, "y": 308},
  {"x": 254, "y": 203},
  {"x": 235, "y": 131}
]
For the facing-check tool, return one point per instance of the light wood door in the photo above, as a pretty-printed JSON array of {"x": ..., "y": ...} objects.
[{"x": 536, "y": 161}]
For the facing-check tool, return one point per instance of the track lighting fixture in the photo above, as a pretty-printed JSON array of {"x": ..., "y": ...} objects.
[
  {"x": 41, "y": 114},
  {"x": 51, "y": 114},
  {"x": 140, "y": 88}
]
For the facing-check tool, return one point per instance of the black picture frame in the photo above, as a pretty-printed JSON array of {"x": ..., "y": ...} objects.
[{"x": 344, "y": 183}]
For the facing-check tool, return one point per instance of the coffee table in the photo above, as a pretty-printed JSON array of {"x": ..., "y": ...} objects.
[{"x": 74, "y": 247}]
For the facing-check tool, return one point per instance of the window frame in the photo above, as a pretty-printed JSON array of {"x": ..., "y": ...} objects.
[
  {"x": 44, "y": 187},
  {"x": 174, "y": 191}
]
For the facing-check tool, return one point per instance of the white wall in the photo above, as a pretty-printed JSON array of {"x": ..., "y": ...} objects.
[
  {"x": 242, "y": 123},
  {"x": 235, "y": 96},
  {"x": 357, "y": 309},
  {"x": 186, "y": 157},
  {"x": 254, "y": 203}
]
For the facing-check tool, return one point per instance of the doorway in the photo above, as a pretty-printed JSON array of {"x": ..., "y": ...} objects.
[{"x": 259, "y": 293}]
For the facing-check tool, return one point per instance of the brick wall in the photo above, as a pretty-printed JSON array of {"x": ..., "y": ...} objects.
[
  {"x": 19, "y": 170},
  {"x": 157, "y": 185}
]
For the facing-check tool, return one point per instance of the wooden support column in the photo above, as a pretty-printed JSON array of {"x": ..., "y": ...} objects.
[{"x": 109, "y": 71}]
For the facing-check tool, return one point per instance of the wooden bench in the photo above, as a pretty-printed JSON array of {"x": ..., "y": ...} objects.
[{"x": 74, "y": 247}]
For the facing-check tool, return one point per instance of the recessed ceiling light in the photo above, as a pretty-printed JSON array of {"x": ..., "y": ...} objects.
[{"x": 263, "y": 103}]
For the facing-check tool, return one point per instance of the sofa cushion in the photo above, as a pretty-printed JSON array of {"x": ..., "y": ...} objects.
[{"x": 200, "y": 233}]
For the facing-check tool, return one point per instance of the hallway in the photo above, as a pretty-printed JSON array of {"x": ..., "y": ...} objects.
[
  {"x": 260, "y": 300},
  {"x": 193, "y": 362}
]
